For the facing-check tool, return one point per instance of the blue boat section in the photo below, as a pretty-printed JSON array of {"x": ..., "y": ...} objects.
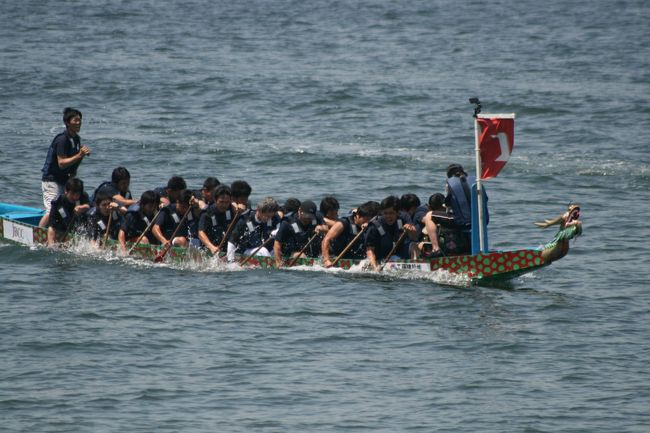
[
  {"x": 476, "y": 243},
  {"x": 27, "y": 215}
]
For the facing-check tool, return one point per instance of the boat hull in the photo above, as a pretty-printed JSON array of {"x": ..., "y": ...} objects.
[{"x": 17, "y": 225}]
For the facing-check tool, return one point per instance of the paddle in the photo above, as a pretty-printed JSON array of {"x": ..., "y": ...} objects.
[
  {"x": 347, "y": 248},
  {"x": 228, "y": 230},
  {"x": 399, "y": 241},
  {"x": 247, "y": 258},
  {"x": 297, "y": 256},
  {"x": 144, "y": 232},
  {"x": 108, "y": 227},
  {"x": 161, "y": 255}
]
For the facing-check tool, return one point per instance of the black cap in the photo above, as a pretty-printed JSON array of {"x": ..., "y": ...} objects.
[{"x": 308, "y": 209}]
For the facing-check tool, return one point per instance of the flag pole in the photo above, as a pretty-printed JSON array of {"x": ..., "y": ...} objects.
[{"x": 479, "y": 187}]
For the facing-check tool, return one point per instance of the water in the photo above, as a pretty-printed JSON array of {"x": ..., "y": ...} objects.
[{"x": 360, "y": 100}]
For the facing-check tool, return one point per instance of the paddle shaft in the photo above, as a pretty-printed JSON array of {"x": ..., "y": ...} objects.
[
  {"x": 399, "y": 241},
  {"x": 161, "y": 255},
  {"x": 297, "y": 256},
  {"x": 108, "y": 227},
  {"x": 145, "y": 231},
  {"x": 347, "y": 248},
  {"x": 247, "y": 258}
]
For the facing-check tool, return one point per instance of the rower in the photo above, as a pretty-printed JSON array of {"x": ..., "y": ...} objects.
[
  {"x": 170, "y": 193},
  {"x": 205, "y": 193},
  {"x": 289, "y": 208},
  {"x": 216, "y": 219},
  {"x": 97, "y": 223},
  {"x": 137, "y": 219},
  {"x": 241, "y": 191},
  {"x": 385, "y": 231},
  {"x": 67, "y": 211},
  {"x": 255, "y": 230},
  {"x": 329, "y": 210},
  {"x": 427, "y": 217},
  {"x": 117, "y": 188},
  {"x": 294, "y": 233},
  {"x": 344, "y": 231},
  {"x": 171, "y": 217}
]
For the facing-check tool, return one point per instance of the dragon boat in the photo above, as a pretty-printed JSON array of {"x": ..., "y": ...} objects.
[
  {"x": 494, "y": 141},
  {"x": 19, "y": 224}
]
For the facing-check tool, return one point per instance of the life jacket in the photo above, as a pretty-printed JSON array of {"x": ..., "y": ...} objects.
[
  {"x": 386, "y": 240},
  {"x": 459, "y": 199},
  {"x": 218, "y": 223}
]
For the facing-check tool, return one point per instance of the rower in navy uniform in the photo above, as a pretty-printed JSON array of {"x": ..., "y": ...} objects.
[
  {"x": 137, "y": 219},
  {"x": 385, "y": 231},
  {"x": 117, "y": 188},
  {"x": 97, "y": 222},
  {"x": 255, "y": 230},
  {"x": 295, "y": 233},
  {"x": 216, "y": 219},
  {"x": 169, "y": 194},
  {"x": 205, "y": 194},
  {"x": 289, "y": 208},
  {"x": 344, "y": 231},
  {"x": 67, "y": 211},
  {"x": 241, "y": 191},
  {"x": 427, "y": 218},
  {"x": 172, "y": 215},
  {"x": 329, "y": 210}
]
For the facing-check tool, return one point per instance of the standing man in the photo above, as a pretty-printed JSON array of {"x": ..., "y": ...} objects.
[{"x": 63, "y": 157}]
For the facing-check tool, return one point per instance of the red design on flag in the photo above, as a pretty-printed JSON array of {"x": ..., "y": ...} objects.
[{"x": 496, "y": 140}]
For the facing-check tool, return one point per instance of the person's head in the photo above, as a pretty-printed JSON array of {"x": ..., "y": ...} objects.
[
  {"x": 72, "y": 119},
  {"x": 266, "y": 208},
  {"x": 241, "y": 190},
  {"x": 389, "y": 208},
  {"x": 365, "y": 212},
  {"x": 329, "y": 207},
  {"x": 73, "y": 189},
  {"x": 307, "y": 212},
  {"x": 149, "y": 202},
  {"x": 208, "y": 188},
  {"x": 121, "y": 178},
  {"x": 175, "y": 185},
  {"x": 456, "y": 170},
  {"x": 183, "y": 201},
  {"x": 409, "y": 203},
  {"x": 103, "y": 202},
  {"x": 290, "y": 206},
  {"x": 437, "y": 201},
  {"x": 222, "y": 197}
]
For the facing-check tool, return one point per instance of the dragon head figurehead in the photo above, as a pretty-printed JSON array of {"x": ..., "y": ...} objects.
[
  {"x": 569, "y": 218},
  {"x": 570, "y": 227}
]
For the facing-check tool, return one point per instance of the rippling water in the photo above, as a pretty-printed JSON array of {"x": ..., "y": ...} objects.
[{"x": 360, "y": 100}]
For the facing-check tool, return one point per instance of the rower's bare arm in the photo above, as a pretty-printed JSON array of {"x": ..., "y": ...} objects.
[
  {"x": 65, "y": 162},
  {"x": 203, "y": 237},
  {"x": 51, "y": 237},
  {"x": 370, "y": 254},
  {"x": 158, "y": 234},
  {"x": 120, "y": 200},
  {"x": 332, "y": 234},
  {"x": 277, "y": 253},
  {"x": 121, "y": 237}
]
